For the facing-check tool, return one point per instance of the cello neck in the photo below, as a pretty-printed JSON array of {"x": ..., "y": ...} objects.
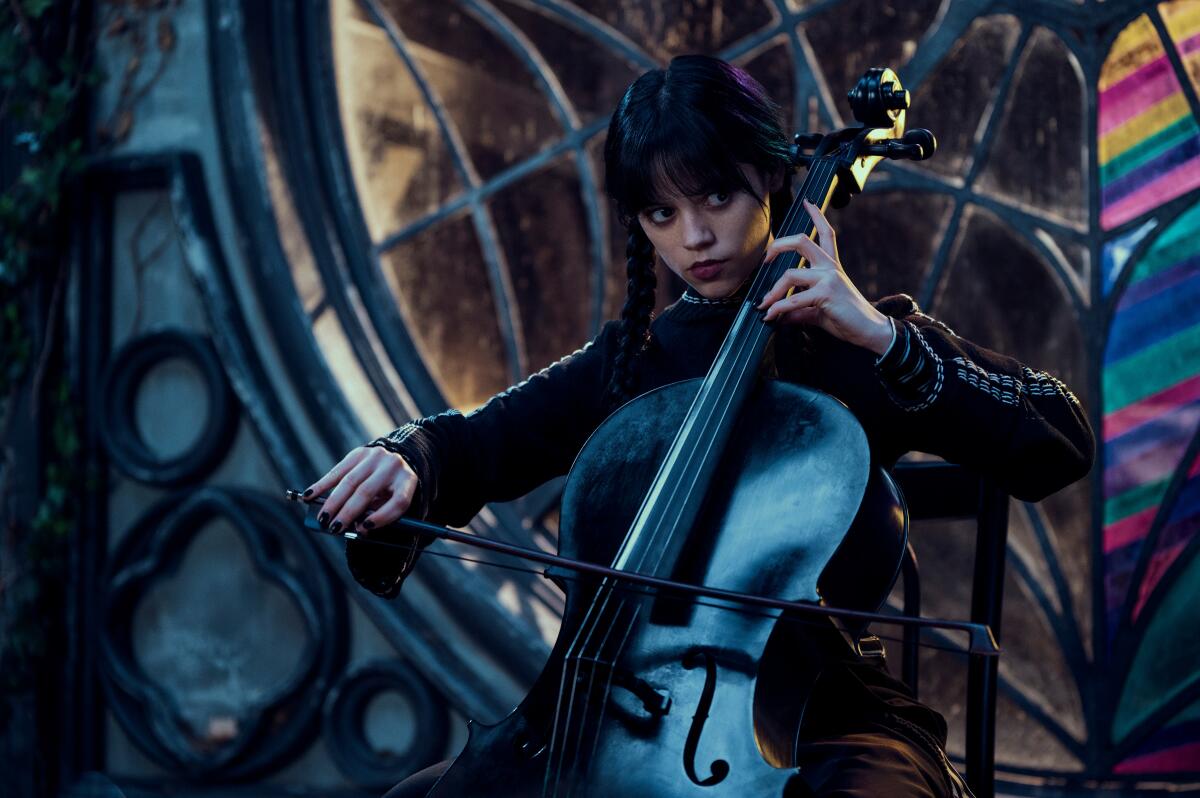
[{"x": 671, "y": 506}]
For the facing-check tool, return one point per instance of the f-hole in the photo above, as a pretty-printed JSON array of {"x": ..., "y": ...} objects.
[{"x": 719, "y": 767}]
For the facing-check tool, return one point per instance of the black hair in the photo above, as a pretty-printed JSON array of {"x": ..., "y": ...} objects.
[{"x": 686, "y": 128}]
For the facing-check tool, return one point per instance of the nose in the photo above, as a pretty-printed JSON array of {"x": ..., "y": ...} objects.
[{"x": 697, "y": 233}]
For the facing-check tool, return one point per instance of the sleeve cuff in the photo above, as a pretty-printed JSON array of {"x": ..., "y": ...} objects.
[
  {"x": 396, "y": 444},
  {"x": 911, "y": 372},
  {"x": 891, "y": 344}
]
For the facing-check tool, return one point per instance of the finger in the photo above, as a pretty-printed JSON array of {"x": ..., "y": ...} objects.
[
  {"x": 785, "y": 244},
  {"x": 817, "y": 257},
  {"x": 358, "y": 503},
  {"x": 799, "y": 279},
  {"x": 825, "y": 234},
  {"x": 805, "y": 246},
  {"x": 810, "y": 316},
  {"x": 344, "y": 490},
  {"x": 814, "y": 297},
  {"x": 402, "y": 495},
  {"x": 334, "y": 475}
]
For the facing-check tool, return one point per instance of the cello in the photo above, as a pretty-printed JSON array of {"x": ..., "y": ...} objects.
[{"x": 711, "y": 493}]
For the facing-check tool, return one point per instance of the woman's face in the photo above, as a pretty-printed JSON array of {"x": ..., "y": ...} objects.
[{"x": 712, "y": 242}]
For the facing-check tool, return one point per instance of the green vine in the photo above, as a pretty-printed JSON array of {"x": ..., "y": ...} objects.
[
  {"x": 42, "y": 78},
  {"x": 46, "y": 48}
]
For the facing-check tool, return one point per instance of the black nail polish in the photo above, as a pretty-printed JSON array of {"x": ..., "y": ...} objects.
[
  {"x": 308, "y": 493},
  {"x": 369, "y": 524},
  {"x": 337, "y": 527},
  {"x": 323, "y": 519}
]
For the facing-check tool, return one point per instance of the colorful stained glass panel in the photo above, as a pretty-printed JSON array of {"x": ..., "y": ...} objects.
[
  {"x": 1149, "y": 150},
  {"x": 1151, "y": 396}
]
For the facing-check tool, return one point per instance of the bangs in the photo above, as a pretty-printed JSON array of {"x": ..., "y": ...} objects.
[
  {"x": 679, "y": 156},
  {"x": 686, "y": 131}
]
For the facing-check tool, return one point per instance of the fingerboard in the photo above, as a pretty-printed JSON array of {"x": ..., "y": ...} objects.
[{"x": 657, "y": 536}]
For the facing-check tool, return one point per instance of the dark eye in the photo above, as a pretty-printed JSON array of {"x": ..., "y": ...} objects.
[
  {"x": 719, "y": 197},
  {"x": 659, "y": 215}
]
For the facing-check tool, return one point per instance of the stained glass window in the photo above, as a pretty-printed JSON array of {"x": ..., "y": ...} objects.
[{"x": 1057, "y": 223}]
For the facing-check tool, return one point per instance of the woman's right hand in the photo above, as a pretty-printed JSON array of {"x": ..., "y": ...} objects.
[{"x": 367, "y": 478}]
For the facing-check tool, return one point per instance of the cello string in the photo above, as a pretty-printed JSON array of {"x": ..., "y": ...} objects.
[
  {"x": 576, "y": 661},
  {"x": 827, "y": 168},
  {"x": 608, "y": 682},
  {"x": 574, "y": 656},
  {"x": 594, "y": 617},
  {"x": 736, "y": 373}
]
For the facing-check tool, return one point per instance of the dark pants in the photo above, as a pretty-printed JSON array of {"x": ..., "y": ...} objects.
[{"x": 866, "y": 764}]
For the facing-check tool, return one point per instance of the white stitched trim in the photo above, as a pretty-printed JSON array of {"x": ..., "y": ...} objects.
[
  {"x": 938, "y": 380},
  {"x": 1008, "y": 390},
  {"x": 936, "y": 322},
  {"x": 1039, "y": 383},
  {"x": 404, "y": 432},
  {"x": 1002, "y": 388},
  {"x": 699, "y": 300}
]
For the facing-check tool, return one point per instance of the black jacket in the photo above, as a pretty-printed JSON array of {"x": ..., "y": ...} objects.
[{"x": 932, "y": 392}]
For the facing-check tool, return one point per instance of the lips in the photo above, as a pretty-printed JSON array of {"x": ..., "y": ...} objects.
[{"x": 706, "y": 269}]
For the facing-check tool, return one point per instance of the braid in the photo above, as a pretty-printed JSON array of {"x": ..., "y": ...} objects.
[{"x": 635, "y": 316}]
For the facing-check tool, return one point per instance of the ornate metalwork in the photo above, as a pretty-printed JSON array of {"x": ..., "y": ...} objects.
[
  {"x": 124, "y": 374},
  {"x": 345, "y": 716},
  {"x": 268, "y": 732}
]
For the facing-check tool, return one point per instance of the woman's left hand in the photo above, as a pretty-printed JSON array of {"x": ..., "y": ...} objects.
[{"x": 824, "y": 296}]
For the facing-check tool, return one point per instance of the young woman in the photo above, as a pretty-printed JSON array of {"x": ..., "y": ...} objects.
[{"x": 697, "y": 164}]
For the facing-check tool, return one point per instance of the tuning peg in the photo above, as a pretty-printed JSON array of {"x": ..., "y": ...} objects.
[
  {"x": 916, "y": 145},
  {"x": 894, "y": 99},
  {"x": 802, "y": 142},
  {"x": 923, "y": 140}
]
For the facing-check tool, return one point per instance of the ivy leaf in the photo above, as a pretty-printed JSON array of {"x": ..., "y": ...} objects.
[
  {"x": 32, "y": 177},
  {"x": 35, "y": 8},
  {"x": 36, "y": 75}
]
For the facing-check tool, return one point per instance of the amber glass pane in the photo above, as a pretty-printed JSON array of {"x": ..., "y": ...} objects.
[
  {"x": 1069, "y": 513},
  {"x": 348, "y": 372},
  {"x": 592, "y": 78},
  {"x": 999, "y": 293},
  {"x": 441, "y": 285},
  {"x": 545, "y": 238},
  {"x": 857, "y": 34},
  {"x": 614, "y": 268},
  {"x": 1038, "y": 156},
  {"x": 673, "y": 27},
  {"x": 951, "y": 101},
  {"x": 1033, "y": 658},
  {"x": 1182, "y": 20},
  {"x": 773, "y": 69},
  {"x": 886, "y": 241},
  {"x": 492, "y": 98},
  {"x": 1023, "y": 741},
  {"x": 944, "y": 553},
  {"x": 402, "y": 167}
]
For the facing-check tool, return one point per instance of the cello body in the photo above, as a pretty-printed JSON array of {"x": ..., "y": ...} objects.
[{"x": 673, "y": 696}]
